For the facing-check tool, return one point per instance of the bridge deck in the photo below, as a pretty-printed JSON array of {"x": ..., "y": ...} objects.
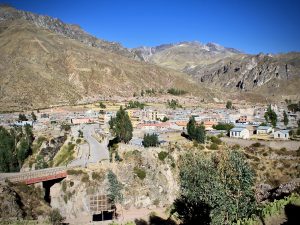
[{"x": 35, "y": 176}]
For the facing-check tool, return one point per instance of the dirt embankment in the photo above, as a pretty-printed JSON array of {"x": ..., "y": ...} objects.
[{"x": 289, "y": 145}]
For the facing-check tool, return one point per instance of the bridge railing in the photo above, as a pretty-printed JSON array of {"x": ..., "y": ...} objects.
[{"x": 21, "y": 176}]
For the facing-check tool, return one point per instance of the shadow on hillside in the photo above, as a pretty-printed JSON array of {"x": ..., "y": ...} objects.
[
  {"x": 155, "y": 220},
  {"x": 292, "y": 213}
]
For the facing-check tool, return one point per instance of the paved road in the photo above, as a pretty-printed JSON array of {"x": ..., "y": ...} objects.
[
  {"x": 98, "y": 151},
  {"x": 83, "y": 156}
]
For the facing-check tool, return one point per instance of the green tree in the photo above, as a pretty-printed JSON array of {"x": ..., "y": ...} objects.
[
  {"x": 24, "y": 151},
  {"x": 22, "y": 117},
  {"x": 218, "y": 188},
  {"x": 223, "y": 126},
  {"x": 271, "y": 116},
  {"x": 121, "y": 126},
  {"x": 228, "y": 105},
  {"x": 173, "y": 104},
  {"x": 102, "y": 105},
  {"x": 285, "y": 118},
  {"x": 33, "y": 116},
  {"x": 196, "y": 132},
  {"x": 7, "y": 145},
  {"x": 165, "y": 119},
  {"x": 114, "y": 188},
  {"x": 150, "y": 140}
]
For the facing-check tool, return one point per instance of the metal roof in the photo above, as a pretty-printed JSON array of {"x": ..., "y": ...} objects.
[{"x": 237, "y": 129}]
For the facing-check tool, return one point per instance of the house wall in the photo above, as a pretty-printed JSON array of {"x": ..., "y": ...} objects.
[{"x": 279, "y": 135}]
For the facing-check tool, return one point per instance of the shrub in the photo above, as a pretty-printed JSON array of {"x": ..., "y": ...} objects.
[
  {"x": 78, "y": 141},
  {"x": 97, "y": 176},
  {"x": 64, "y": 186},
  {"x": 55, "y": 217},
  {"x": 75, "y": 172},
  {"x": 213, "y": 146},
  {"x": 215, "y": 140},
  {"x": 162, "y": 155},
  {"x": 150, "y": 140},
  {"x": 256, "y": 145},
  {"x": 236, "y": 147},
  {"x": 141, "y": 173},
  {"x": 85, "y": 178},
  {"x": 175, "y": 91}
]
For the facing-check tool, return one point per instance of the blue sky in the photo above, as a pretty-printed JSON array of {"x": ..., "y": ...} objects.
[{"x": 252, "y": 26}]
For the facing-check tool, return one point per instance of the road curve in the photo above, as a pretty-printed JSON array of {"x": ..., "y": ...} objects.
[{"x": 98, "y": 151}]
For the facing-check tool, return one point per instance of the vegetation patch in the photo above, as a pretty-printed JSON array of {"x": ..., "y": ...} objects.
[
  {"x": 65, "y": 155},
  {"x": 175, "y": 91},
  {"x": 162, "y": 155},
  {"x": 140, "y": 173}
]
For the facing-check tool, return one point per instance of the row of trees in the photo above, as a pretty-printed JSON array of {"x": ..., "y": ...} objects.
[
  {"x": 271, "y": 116},
  {"x": 150, "y": 140},
  {"x": 135, "y": 104},
  {"x": 215, "y": 190},
  {"x": 15, "y": 147},
  {"x": 173, "y": 104}
]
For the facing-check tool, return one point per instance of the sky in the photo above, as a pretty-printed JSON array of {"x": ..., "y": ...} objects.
[{"x": 252, "y": 26}]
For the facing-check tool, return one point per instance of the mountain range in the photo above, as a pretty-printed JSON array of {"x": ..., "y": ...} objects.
[{"x": 45, "y": 62}]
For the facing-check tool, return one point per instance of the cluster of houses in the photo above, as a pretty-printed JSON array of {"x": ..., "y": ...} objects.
[
  {"x": 248, "y": 131},
  {"x": 150, "y": 120}
]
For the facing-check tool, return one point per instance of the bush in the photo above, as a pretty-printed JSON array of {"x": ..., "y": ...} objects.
[
  {"x": 213, "y": 146},
  {"x": 256, "y": 145},
  {"x": 64, "y": 186},
  {"x": 162, "y": 155},
  {"x": 75, "y": 172},
  {"x": 65, "y": 127},
  {"x": 85, "y": 178},
  {"x": 150, "y": 140},
  {"x": 236, "y": 147},
  {"x": 97, "y": 176},
  {"x": 215, "y": 140},
  {"x": 175, "y": 91},
  {"x": 55, "y": 217},
  {"x": 78, "y": 141},
  {"x": 141, "y": 173}
]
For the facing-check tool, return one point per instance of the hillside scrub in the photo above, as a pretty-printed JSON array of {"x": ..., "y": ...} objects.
[{"x": 175, "y": 91}]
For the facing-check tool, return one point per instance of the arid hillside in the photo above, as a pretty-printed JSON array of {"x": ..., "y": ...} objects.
[{"x": 40, "y": 68}]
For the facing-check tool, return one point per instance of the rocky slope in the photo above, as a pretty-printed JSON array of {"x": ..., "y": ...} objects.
[
  {"x": 236, "y": 74},
  {"x": 67, "y": 30},
  {"x": 40, "y": 68},
  {"x": 247, "y": 72},
  {"x": 184, "y": 54}
]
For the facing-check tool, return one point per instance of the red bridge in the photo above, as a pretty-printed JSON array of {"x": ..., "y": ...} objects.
[{"x": 36, "y": 176}]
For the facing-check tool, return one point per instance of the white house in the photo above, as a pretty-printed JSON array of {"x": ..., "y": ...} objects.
[
  {"x": 281, "y": 134},
  {"x": 23, "y": 123},
  {"x": 239, "y": 132},
  {"x": 264, "y": 130}
]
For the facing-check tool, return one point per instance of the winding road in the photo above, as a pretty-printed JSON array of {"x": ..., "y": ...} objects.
[
  {"x": 98, "y": 151},
  {"x": 92, "y": 151}
]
